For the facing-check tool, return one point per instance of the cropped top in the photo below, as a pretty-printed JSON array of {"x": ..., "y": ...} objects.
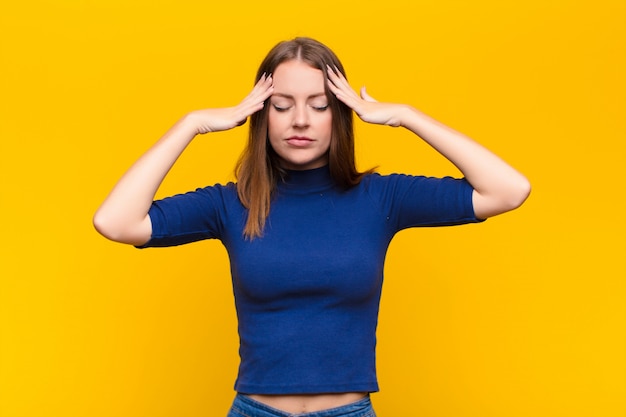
[{"x": 307, "y": 292}]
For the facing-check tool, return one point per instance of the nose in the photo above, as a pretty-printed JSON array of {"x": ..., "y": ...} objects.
[{"x": 300, "y": 117}]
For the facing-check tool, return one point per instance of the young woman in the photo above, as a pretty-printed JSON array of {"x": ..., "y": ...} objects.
[{"x": 306, "y": 232}]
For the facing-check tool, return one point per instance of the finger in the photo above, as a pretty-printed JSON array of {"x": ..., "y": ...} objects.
[
  {"x": 366, "y": 96},
  {"x": 339, "y": 86},
  {"x": 337, "y": 78},
  {"x": 346, "y": 97},
  {"x": 254, "y": 101},
  {"x": 262, "y": 86}
]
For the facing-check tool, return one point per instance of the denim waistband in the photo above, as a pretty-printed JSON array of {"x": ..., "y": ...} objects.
[{"x": 244, "y": 406}]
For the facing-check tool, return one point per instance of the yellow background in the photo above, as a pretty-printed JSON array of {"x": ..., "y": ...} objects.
[{"x": 524, "y": 315}]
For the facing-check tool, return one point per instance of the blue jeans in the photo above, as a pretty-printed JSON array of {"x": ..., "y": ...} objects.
[{"x": 247, "y": 407}]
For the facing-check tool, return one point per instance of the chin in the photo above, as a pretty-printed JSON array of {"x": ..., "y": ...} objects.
[
  {"x": 300, "y": 167},
  {"x": 303, "y": 164}
]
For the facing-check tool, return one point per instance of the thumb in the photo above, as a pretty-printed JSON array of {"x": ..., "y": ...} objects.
[{"x": 366, "y": 96}]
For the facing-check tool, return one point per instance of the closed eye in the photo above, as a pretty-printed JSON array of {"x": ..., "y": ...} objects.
[
  {"x": 280, "y": 109},
  {"x": 320, "y": 108}
]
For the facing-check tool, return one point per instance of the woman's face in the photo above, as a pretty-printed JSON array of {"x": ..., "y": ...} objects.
[{"x": 300, "y": 120}]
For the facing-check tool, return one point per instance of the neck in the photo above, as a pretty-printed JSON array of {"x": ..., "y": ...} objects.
[{"x": 307, "y": 180}]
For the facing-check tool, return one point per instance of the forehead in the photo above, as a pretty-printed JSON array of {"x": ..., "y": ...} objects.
[{"x": 298, "y": 78}]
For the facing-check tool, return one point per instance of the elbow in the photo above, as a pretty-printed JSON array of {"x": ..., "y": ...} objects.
[
  {"x": 519, "y": 193},
  {"x": 118, "y": 231},
  {"x": 508, "y": 198},
  {"x": 104, "y": 226},
  {"x": 515, "y": 195}
]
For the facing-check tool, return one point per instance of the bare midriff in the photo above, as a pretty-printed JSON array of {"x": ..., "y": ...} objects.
[{"x": 307, "y": 403}]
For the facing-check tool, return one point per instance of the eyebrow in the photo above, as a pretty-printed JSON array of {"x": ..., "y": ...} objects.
[{"x": 291, "y": 97}]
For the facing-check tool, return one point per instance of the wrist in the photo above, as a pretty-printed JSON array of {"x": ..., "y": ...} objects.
[
  {"x": 191, "y": 124},
  {"x": 407, "y": 116},
  {"x": 411, "y": 118}
]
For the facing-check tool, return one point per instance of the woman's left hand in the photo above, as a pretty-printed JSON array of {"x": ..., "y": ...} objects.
[
  {"x": 367, "y": 108},
  {"x": 497, "y": 186}
]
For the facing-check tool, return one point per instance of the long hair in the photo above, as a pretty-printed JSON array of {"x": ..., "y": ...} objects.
[{"x": 258, "y": 169}]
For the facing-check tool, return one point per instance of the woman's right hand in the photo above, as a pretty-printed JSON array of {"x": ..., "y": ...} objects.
[
  {"x": 123, "y": 216},
  {"x": 215, "y": 120}
]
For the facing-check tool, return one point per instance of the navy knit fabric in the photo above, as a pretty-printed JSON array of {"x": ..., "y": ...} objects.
[{"x": 307, "y": 293}]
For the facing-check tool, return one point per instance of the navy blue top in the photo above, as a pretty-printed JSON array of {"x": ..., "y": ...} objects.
[{"x": 307, "y": 292}]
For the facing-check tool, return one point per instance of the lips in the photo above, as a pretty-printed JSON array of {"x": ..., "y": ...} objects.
[{"x": 299, "y": 141}]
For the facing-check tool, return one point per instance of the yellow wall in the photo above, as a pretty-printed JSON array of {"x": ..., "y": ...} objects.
[{"x": 524, "y": 315}]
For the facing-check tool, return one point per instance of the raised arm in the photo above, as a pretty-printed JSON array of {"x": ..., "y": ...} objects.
[
  {"x": 123, "y": 216},
  {"x": 498, "y": 187}
]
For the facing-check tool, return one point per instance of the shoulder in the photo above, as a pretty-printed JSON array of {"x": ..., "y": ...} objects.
[
  {"x": 416, "y": 200},
  {"x": 392, "y": 187},
  {"x": 215, "y": 190},
  {"x": 376, "y": 181},
  {"x": 227, "y": 189},
  {"x": 216, "y": 196},
  {"x": 194, "y": 215}
]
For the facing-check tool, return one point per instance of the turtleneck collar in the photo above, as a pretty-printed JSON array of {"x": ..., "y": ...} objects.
[{"x": 310, "y": 180}]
